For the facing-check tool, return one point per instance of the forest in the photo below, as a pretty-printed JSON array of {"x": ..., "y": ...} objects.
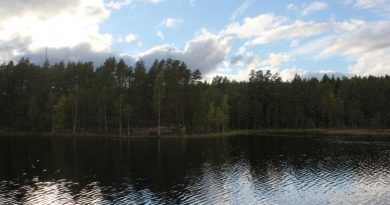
[{"x": 117, "y": 99}]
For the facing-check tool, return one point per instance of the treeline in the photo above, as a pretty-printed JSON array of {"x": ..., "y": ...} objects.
[{"x": 117, "y": 98}]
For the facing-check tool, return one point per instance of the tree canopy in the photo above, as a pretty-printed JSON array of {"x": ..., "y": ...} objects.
[{"x": 77, "y": 97}]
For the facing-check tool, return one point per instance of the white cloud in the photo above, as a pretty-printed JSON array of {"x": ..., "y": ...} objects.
[
  {"x": 231, "y": 72},
  {"x": 160, "y": 34},
  {"x": 239, "y": 66},
  {"x": 71, "y": 30},
  {"x": 313, "y": 46},
  {"x": 82, "y": 52},
  {"x": 372, "y": 63},
  {"x": 366, "y": 4},
  {"x": 366, "y": 44},
  {"x": 367, "y": 38},
  {"x": 171, "y": 22},
  {"x": 369, "y": 45},
  {"x": 291, "y": 31},
  {"x": 12, "y": 8},
  {"x": 291, "y": 7},
  {"x": 315, "y": 6},
  {"x": 168, "y": 22},
  {"x": 301, "y": 29},
  {"x": 274, "y": 60},
  {"x": 366, "y": 47},
  {"x": 288, "y": 74},
  {"x": 306, "y": 9},
  {"x": 205, "y": 52},
  {"x": 115, "y": 5},
  {"x": 330, "y": 73},
  {"x": 241, "y": 50},
  {"x": 241, "y": 9},
  {"x": 267, "y": 28},
  {"x": 130, "y": 38},
  {"x": 154, "y": 1},
  {"x": 54, "y": 24},
  {"x": 254, "y": 26}
]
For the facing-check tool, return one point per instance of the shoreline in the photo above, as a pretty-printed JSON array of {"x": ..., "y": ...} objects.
[
  {"x": 324, "y": 132},
  {"x": 328, "y": 132}
]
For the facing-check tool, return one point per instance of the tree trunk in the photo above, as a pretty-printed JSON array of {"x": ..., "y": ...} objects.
[
  {"x": 52, "y": 126},
  {"x": 159, "y": 132},
  {"x": 159, "y": 113},
  {"x": 176, "y": 115},
  {"x": 75, "y": 112},
  {"x": 105, "y": 119},
  {"x": 120, "y": 118},
  {"x": 128, "y": 127},
  {"x": 223, "y": 122}
]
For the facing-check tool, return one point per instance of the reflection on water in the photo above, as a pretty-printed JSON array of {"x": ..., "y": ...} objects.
[{"x": 231, "y": 170}]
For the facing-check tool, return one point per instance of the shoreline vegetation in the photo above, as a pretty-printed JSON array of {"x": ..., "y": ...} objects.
[
  {"x": 151, "y": 133},
  {"x": 313, "y": 131},
  {"x": 167, "y": 97}
]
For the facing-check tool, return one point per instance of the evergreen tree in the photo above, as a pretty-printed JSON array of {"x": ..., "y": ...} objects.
[
  {"x": 76, "y": 96},
  {"x": 158, "y": 96}
]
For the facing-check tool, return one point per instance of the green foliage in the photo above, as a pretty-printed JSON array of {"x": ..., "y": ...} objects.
[
  {"x": 59, "y": 111},
  {"x": 158, "y": 96},
  {"x": 225, "y": 112},
  {"x": 196, "y": 76},
  {"x": 34, "y": 111},
  {"x": 212, "y": 115},
  {"x": 158, "y": 92},
  {"x": 82, "y": 98}
]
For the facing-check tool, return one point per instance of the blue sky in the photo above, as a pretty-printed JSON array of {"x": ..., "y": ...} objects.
[{"x": 229, "y": 38}]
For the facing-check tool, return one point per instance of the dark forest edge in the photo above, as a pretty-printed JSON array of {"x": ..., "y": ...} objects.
[
  {"x": 116, "y": 99},
  {"x": 300, "y": 132},
  {"x": 258, "y": 132}
]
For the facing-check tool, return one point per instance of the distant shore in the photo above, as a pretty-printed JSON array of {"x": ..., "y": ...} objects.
[{"x": 330, "y": 132}]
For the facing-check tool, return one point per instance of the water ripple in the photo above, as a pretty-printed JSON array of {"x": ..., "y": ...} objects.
[{"x": 244, "y": 171}]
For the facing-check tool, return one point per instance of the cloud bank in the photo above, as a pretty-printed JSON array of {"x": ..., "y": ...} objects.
[
  {"x": 71, "y": 31},
  {"x": 205, "y": 52}
]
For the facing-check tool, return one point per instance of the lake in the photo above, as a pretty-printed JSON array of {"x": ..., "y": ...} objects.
[{"x": 208, "y": 170}]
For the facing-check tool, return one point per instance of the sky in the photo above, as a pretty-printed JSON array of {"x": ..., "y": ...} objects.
[{"x": 218, "y": 37}]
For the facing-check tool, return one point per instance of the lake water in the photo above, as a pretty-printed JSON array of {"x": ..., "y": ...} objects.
[{"x": 215, "y": 170}]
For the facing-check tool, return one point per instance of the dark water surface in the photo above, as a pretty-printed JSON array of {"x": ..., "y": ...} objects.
[{"x": 219, "y": 170}]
